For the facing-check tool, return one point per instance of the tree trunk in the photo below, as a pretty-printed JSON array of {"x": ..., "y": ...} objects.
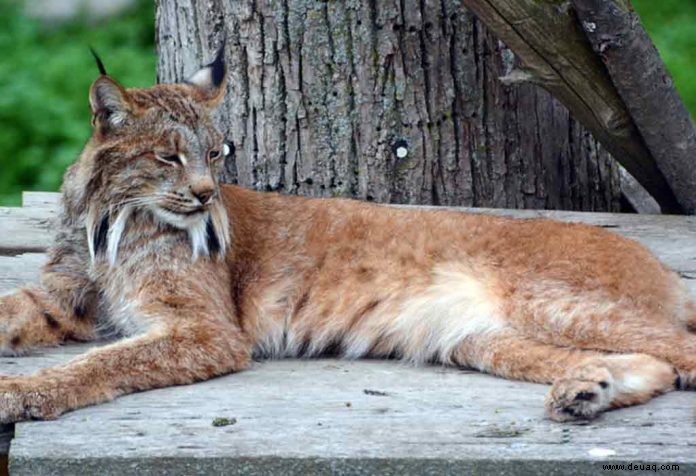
[{"x": 326, "y": 96}]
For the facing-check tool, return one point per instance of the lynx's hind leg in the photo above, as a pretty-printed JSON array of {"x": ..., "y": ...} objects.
[
  {"x": 558, "y": 314},
  {"x": 585, "y": 382}
]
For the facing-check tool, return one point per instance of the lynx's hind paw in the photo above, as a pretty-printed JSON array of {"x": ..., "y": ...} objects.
[{"x": 580, "y": 397}]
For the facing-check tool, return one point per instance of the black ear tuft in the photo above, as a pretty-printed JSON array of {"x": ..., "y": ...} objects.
[
  {"x": 212, "y": 238},
  {"x": 100, "y": 65},
  {"x": 217, "y": 66},
  {"x": 100, "y": 234},
  {"x": 210, "y": 79}
]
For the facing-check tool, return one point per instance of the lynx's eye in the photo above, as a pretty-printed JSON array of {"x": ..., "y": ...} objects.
[
  {"x": 214, "y": 155},
  {"x": 169, "y": 159}
]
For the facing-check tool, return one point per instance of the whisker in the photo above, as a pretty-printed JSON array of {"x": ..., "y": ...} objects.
[
  {"x": 175, "y": 201},
  {"x": 137, "y": 201}
]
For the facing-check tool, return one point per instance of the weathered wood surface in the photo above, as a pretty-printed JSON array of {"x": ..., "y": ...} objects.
[
  {"x": 314, "y": 416},
  {"x": 25, "y": 230},
  {"x": 304, "y": 417},
  {"x": 322, "y": 93},
  {"x": 35, "y": 200},
  {"x": 636, "y": 195},
  {"x": 20, "y": 269}
]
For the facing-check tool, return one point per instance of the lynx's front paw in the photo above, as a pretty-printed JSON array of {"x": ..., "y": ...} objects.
[
  {"x": 582, "y": 395},
  {"x": 22, "y": 398}
]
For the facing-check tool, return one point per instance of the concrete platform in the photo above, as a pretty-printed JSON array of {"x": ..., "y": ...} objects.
[{"x": 328, "y": 416}]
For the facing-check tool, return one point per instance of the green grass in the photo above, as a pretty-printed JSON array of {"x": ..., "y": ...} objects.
[
  {"x": 672, "y": 27},
  {"x": 45, "y": 73}
]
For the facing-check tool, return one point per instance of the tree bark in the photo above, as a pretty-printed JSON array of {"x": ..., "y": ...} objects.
[
  {"x": 646, "y": 87},
  {"x": 325, "y": 95},
  {"x": 556, "y": 55}
]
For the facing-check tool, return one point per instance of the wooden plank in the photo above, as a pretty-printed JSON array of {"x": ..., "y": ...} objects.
[
  {"x": 25, "y": 230},
  {"x": 311, "y": 415},
  {"x": 40, "y": 200},
  {"x": 16, "y": 271}
]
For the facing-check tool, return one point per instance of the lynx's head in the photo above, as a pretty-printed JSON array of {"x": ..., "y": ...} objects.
[{"x": 155, "y": 153}]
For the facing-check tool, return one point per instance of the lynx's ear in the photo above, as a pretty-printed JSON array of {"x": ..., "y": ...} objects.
[
  {"x": 109, "y": 103},
  {"x": 108, "y": 99},
  {"x": 210, "y": 80}
]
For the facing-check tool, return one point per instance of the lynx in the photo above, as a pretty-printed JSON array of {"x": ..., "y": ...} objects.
[{"x": 198, "y": 278}]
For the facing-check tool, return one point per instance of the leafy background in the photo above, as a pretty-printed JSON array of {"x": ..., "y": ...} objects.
[{"x": 46, "y": 70}]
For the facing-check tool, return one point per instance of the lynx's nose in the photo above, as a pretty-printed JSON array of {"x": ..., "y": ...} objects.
[
  {"x": 203, "y": 191},
  {"x": 203, "y": 196}
]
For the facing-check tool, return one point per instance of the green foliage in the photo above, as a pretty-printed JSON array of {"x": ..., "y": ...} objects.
[
  {"x": 45, "y": 74},
  {"x": 672, "y": 27}
]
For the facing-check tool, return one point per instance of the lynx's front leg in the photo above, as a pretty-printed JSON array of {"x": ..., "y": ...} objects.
[
  {"x": 186, "y": 333},
  {"x": 188, "y": 339}
]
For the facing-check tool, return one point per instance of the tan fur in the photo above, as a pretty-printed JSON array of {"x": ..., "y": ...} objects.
[{"x": 196, "y": 287}]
